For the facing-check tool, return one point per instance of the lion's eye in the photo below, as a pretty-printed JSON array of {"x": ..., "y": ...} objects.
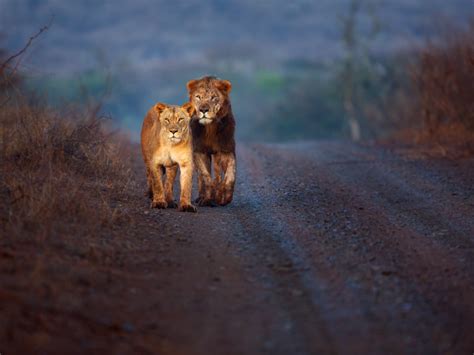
[
  {"x": 181, "y": 119},
  {"x": 198, "y": 97},
  {"x": 214, "y": 98},
  {"x": 167, "y": 121}
]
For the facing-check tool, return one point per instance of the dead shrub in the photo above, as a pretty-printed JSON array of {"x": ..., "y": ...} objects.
[
  {"x": 61, "y": 169},
  {"x": 444, "y": 82},
  {"x": 433, "y": 108}
]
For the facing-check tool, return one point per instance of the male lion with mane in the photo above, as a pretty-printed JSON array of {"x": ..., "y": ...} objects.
[
  {"x": 166, "y": 144},
  {"x": 213, "y": 129}
]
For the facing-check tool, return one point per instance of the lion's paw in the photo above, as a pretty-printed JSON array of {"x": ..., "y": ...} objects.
[
  {"x": 203, "y": 202},
  {"x": 223, "y": 197}
]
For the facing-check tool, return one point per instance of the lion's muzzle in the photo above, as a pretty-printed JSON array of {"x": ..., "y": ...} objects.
[{"x": 205, "y": 120}]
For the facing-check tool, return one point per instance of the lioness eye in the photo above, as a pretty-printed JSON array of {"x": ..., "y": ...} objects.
[
  {"x": 181, "y": 119},
  {"x": 167, "y": 121}
]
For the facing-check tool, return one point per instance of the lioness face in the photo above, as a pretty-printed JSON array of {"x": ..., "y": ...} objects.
[
  {"x": 175, "y": 121},
  {"x": 208, "y": 96}
]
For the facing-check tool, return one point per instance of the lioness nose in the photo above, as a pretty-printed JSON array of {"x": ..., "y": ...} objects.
[{"x": 173, "y": 130}]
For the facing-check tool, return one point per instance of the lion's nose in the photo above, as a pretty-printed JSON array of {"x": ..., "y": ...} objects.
[
  {"x": 173, "y": 130},
  {"x": 204, "y": 109}
]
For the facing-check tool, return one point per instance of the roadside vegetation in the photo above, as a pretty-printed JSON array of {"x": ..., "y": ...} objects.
[
  {"x": 443, "y": 79},
  {"x": 420, "y": 97},
  {"x": 62, "y": 168}
]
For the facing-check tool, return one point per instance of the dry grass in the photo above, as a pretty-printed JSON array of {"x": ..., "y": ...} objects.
[
  {"x": 64, "y": 178},
  {"x": 436, "y": 112},
  {"x": 444, "y": 82},
  {"x": 61, "y": 170},
  {"x": 444, "y": 79}
]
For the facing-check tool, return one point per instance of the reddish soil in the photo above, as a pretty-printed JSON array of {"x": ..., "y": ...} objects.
[{"x": 327, "y": 248}]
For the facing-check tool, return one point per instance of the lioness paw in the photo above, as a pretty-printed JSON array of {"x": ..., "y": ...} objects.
[
  {"x": 172, "y": 204},
  {"x": 187, "y": 208},
  {"x": 159, "y": 204}
]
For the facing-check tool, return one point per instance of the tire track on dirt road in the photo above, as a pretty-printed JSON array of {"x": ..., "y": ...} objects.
[
  {"x": 319, "y": 242},
  {"x": 361, "y": 231}
]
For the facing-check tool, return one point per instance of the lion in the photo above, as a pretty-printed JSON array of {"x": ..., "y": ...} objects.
[
  {"x": 166, "y": 143},
  {"x": 213, "y": 129}
]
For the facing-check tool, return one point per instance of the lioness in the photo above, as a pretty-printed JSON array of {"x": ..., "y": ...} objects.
[
  {"x": 166, "y": 144},
  {"x": 213, "y": 139}
]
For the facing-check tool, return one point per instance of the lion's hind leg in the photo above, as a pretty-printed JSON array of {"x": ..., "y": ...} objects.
[
  {"x": 186, "y": 183},
  {"x": 149, "y": 183},
  {"x": 159, "y": 200}
]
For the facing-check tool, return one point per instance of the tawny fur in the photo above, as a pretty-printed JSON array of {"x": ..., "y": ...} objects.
[
  {"x": 213, "y": 127},
  {"x": 166, "y": 142}
]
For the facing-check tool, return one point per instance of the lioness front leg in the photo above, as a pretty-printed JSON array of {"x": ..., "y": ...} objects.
[
  {"x": 203, "y": 166},
  {"x": 186, "y": 182},
  {"x": 157, "y": 187},
  {"x": 169, "y": 183},
  {"x": 225, "y": 190}
]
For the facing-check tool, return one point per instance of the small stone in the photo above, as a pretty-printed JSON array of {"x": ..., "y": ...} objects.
[
  {"x": 297, "y": 293},
  {"x": 128, "y": 327}
]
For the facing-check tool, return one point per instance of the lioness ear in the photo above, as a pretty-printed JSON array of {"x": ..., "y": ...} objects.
[
  {"x": 160, "y": 107},
  {"x": 224, "y": 85},
  {"x": 189, "y": 108},
  {"x": 191, "y": 85}
]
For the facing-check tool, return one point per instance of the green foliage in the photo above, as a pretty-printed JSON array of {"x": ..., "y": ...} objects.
[
  {"x": 87, "y": 86},
  {"x": 269, "y": 82}
]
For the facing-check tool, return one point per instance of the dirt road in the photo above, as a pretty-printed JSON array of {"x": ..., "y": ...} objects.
[{"x": 327, "y": 248}]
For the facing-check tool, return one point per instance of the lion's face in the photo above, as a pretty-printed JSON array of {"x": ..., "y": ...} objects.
[
  {"x": 174, "y": 121},
  {"x": 209, "y": 97}
]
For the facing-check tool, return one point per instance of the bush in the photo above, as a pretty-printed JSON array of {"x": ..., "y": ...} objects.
[
  {"x": 60, "y": 169},
  {"x": 444, "y": 79}
]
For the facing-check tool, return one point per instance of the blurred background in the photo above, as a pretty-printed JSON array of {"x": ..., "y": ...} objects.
[{"x": 300, "y": 69}]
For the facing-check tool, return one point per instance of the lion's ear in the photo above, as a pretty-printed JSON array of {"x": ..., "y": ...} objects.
[
  {"x": 189, "y": 108},
  {"x": 224, "y": 86},
  {"x": 160, "y": 107},
  {"x": 191, "y": 85}
]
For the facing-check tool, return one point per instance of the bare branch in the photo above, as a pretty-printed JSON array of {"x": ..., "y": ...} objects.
[{"x": 25, "y": 48}]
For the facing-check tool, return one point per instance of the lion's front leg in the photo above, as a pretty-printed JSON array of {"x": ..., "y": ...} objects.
[
  {"x": 203, "y": 167},
  {"x": 225, "y": 190},
  {"x": 217, "y": 170}
]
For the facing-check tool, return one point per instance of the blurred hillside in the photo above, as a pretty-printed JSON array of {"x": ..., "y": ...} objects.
[{"x": 284, "y": 58}]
